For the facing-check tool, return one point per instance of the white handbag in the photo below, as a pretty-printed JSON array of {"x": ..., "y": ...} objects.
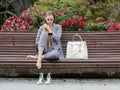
[{"x": 77, "y": 49}]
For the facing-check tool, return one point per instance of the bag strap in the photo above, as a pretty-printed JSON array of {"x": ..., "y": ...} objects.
[{"x": 77, "y": 35}]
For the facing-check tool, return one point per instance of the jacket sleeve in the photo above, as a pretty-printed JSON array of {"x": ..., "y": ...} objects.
[
  {"x": 38, "y": 35},
  {"x": 57, "y": 36}
]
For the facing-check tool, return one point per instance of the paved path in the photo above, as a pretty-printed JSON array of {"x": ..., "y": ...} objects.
[{"x": 59, "y": 84}]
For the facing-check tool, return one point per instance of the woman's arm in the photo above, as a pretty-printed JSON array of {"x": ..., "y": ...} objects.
[
  {"x": 38, "y": 34},
  {"x": 57, "y": 35}
]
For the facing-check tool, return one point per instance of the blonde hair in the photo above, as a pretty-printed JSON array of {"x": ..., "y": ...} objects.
[{"x": 48, "y": 13}]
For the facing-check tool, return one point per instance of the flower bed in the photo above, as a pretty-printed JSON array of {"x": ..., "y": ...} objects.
[{"x": 66, "y": 15}]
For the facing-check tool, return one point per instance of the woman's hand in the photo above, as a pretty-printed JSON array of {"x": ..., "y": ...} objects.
[{"x": 47, "y": 27}]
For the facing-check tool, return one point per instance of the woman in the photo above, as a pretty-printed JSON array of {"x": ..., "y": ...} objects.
[{"x": 48, "y": 40}]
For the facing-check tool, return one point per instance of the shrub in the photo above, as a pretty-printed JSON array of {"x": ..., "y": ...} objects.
[
  {"x": 67, "y": 14},
  {"x": 29, "y": 20},
  {"x": 73, "y": 24},
  {"x": 16, "y": 24},
  {"x": 113, "y": 26},
  {"x": 99, "y": 25},
  {"x": 96, "y": 26}
]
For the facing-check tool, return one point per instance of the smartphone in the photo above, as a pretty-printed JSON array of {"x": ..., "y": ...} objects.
[{"x": 50, "y": 34}]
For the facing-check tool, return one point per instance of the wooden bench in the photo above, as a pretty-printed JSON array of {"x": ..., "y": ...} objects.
[{"x": 103, "y": 50}]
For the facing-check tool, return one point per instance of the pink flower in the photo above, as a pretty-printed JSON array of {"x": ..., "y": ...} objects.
[
  {"x": 81, "y": 22},
  {"x": 68, "y": 23},
  {"x": 59, "y": 12},
  {"x": 33, "y": 10},
  {"x": 22, "y": 28},
  {"x": 3, "y": 28},
  {"x": 76, "y": 22},
  {"x": 113, "y": 26},
  {"x": 41, "y": 13},
  {"x": 74, "y": 17},
  {"x": 7, "y": 22},
  {"x": 25, "y": 12},
  {"x": 63, "y": 24},
  {"x": 29, "y": 20},
  {"x": 118, "y": 26}
]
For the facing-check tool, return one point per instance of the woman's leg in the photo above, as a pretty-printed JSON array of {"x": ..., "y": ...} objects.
[
  {"x": 32, "y": 57},
  {"x": 39, "y": 61},
  {"x": 54, "y": 54},
  {"x": 42, "y": 47}
]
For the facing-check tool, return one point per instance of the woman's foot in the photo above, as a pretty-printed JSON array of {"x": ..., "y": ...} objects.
[
  {"x": 31, "y": 57},
  {"x": 39, "y": 61},
  {"x": 38, "y": 64}
]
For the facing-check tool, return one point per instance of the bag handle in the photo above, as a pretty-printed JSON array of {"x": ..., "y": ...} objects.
[{"x": 77, "y": 35}]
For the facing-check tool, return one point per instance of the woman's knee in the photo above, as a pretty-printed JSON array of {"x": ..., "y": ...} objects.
[
  {"x": 44, "y": 35},
  {"x": 52, "y": 55},
  {"x": 43, "y": 39},
  {"x": 55, "y": 54}
]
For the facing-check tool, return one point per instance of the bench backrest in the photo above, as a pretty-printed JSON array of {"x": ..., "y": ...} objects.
[{"x": 100, "y": 44}]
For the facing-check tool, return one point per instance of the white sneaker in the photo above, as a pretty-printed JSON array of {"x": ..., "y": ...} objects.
[
  {"x": 40, "y": 79},
  {"x": 48, "y": 79}
]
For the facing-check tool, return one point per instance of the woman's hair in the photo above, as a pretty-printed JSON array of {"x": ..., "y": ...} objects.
[{"x": 50, "y": 13}]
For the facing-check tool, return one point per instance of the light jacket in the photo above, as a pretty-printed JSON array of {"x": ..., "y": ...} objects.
[{"x": 56, "y": 37}]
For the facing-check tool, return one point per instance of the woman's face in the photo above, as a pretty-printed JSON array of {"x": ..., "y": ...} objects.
[{"x": 49, "y": 19}]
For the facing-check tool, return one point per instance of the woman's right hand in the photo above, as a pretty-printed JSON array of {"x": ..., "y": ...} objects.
[{"x": 47, "y": 28}]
